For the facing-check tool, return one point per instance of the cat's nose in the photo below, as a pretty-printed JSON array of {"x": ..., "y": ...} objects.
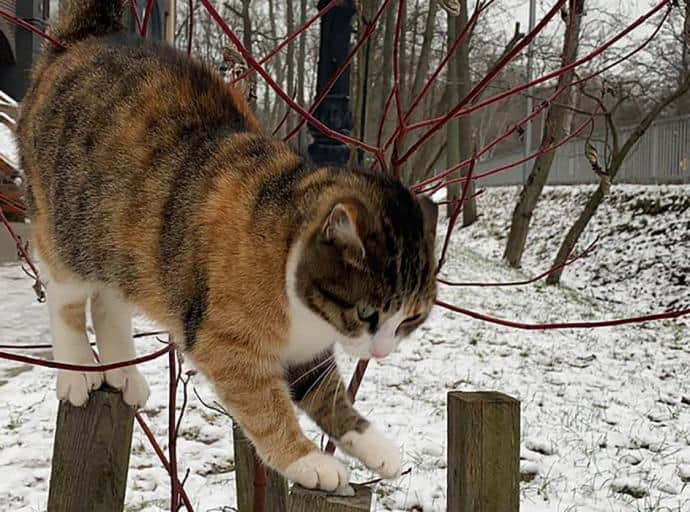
[{"x": 381, "y": 349}]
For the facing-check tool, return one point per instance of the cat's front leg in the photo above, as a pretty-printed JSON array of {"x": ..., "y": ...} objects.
[
  {"x": 318, "y": 389},
  {"x": 253, "y": 387}
]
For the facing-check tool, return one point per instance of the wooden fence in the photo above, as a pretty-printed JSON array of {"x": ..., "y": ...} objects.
[{"x": 92, "y": 445}]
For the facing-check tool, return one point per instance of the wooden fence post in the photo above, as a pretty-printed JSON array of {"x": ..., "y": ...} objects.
[
  {"x": 277, "y": 496},
  {"x": 91, "y": 454},
  {"x": 276, "y": 486},
  {"x": 306, "y": 500},
  {"x": 483, "y": 452}
]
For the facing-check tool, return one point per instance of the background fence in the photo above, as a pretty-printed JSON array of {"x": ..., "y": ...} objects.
[{"x": 662, "y": 156}]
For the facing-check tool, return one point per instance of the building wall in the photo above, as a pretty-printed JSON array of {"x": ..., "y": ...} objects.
[
  {"x": 7, "y": 28},
  {"x": 14, "y": 78}
]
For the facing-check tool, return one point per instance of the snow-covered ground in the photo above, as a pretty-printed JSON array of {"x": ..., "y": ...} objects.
[{"x": 605, "y": 413}]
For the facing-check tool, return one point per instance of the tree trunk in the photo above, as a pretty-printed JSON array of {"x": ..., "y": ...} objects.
[
  {"x": 290, "y": 57},
  {"x": 459, "y": 131},
  {"x": 555, "y": 130},
  {"x": 425, "y": 52},
  {"x": 574, "y": 233},
  {"x": 247, "y": 37},
  {"x": 301, "y": 56}
]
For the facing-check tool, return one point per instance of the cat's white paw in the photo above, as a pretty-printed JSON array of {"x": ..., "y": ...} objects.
[
  {"x": 76, "y": 386},
  {"x": 375, "y": 450},
  {"x": 318, "y": 470},
  {"x": 135, "y": 390}
]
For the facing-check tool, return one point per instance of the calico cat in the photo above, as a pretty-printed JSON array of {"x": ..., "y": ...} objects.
[{"x": 151, "y": 185}]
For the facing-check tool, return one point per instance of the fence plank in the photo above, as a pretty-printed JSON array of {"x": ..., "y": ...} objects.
[
  {"x": 483, "y": 452},
  {"x": 306, "y": 500},
  {"x": 91, "y": 454}
]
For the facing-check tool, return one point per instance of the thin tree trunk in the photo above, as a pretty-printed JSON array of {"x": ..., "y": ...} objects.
[
  {"x": 290, "y": 56},
  {"x": 425, "y": 52},
  {"x": 301, "y": 57},
  {"x": 571, "y": 238},
  {"x": 555, "y": 130},
  {"x": 459, "y": 131},
  {"x": 247, "y": 40}
]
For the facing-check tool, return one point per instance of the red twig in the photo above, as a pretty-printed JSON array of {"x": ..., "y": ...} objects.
[
  {"x": 477, "y": 89},
  {"x": 459, "y": 111},
  {"x": 341, "y": 69},
  {"x": 465, "y": 31},
  {"x": 134, "y": 8},
  {"x": 28, "y": 26},
  {"x": 578, "y": 130},
  {"x": 82, "y": 368},
  {"x": 384, "y": 115},
  {"x": 147, "y": 15},
  {"x": 534, "y": 279},
  {"x": 20, "y": 246},
  {"x": 159, "y": 451},
  {"x": 289, "y": 39},
  {"x": 280, "y": 92},
  {"x": 456, "y": 211},
  {"x": 564, "y": 325},
  {"x": 352, "y": 390},
  {"x": 172, "y": 434}
]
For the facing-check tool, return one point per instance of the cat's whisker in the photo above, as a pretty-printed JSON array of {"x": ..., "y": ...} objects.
[
  {"x": 315, "y": 388},
  {"x": 313, "y": 369}
]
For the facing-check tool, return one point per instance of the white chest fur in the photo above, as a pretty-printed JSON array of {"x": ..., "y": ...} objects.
[{"x": 309, "y": 334}]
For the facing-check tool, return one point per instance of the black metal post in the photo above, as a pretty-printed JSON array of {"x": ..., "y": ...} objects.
[{"x": 334, "y": 111}]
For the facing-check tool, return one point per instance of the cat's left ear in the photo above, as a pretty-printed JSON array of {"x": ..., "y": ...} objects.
[
  {"x": 341, "y": 228},
  {"x": 429, "y": 214}
]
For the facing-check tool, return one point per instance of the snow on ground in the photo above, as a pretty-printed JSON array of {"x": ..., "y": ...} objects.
[
  {"x": 7, "y": 147},
  {"x": 605, "y": 413}
]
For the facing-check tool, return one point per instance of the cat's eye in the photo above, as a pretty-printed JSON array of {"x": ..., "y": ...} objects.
[
  {"x": 411, "y": 319},
  {"x": 366, "y": 313}
]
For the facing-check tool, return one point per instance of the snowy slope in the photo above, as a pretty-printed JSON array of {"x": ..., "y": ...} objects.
[{"x": 605, "y": 413}]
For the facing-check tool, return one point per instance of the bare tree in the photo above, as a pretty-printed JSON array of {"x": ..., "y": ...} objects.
[
  {"x": 459, "y": 132},
  {"x": 621, "y": 149},
  {"x": 556, "y": 129}
]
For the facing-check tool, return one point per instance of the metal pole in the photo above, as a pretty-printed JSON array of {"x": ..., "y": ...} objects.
[
  {"x": 334, "y": 111},
  {"x": 530, "y": 91}
]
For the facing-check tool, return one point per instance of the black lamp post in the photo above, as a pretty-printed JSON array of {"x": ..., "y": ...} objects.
[{"x": 334, "y": 111}]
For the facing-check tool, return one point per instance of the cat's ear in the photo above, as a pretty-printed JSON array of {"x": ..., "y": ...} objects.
[
  {"x": 341, "y": 228},
  {"x": 429, "y": 214}
]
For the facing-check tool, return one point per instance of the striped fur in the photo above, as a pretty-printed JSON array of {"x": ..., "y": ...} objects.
[{"x": 150, "y": 176}]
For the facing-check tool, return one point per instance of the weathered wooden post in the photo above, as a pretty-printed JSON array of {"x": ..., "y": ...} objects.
[
  {"x": 306, "y": 500},
  {"x": 91, "y": 454},
  {"x": 483, "y": 452},
  {"x": 278, "y": 497},
  {"x": 274, "y": 486}
]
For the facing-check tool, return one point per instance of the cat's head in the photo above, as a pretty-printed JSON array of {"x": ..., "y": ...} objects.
[{"x": 367, "y": 269}]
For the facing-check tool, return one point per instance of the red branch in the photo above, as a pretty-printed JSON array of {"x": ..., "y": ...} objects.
[
  {"x": 166, "y": 465},
  {"x": 84, "y": 368},
  {"x": 534, "y": 279},
  {"x": 565, "y": 325},
  {"x": 147, "y": 16},
  {"x": 28, "y": 26},
  {"x": 341, "y": 69},
  {"x": 290, "y": 38},
  {"x": 280, "y": 92},
  {"x": 352, "y": 390}
]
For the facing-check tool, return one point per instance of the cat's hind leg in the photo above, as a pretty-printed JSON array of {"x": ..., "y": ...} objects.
[
  {"x": 67, "y": 308},
  {"x": 112, "y": 321}
]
